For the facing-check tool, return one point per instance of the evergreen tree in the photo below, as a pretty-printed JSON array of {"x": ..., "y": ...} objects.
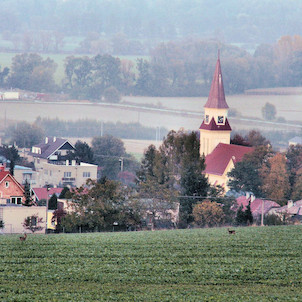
[
  {"x": 65, "y": 192},
  {"x": 240, "y": 216},
  {"x": 27, "y": 194},
  {"x": 248, "y": 214},
  {"x": 53, "y": 202}
]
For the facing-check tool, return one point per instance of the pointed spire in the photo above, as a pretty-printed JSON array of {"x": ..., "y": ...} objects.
[{"x": 216, "y": 97}]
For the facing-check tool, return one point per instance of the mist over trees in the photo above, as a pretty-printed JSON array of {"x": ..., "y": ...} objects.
[
  {"x": 179, "y": 68},
  {"x": 42, "y": 23}
]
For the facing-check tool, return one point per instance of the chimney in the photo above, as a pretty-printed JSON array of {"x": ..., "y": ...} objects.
[
  {"x": 252, "y": 198},
  {"x": 46, "y": 140},
  {"x": 1, "y": 168},
  {"x": 73, "y": 162},
  {"x": 67, "y": 162},
  {"x": 247, "y": 195},
  {"x": 54, "y": 139},
  {"x": 290, "y": 204}
]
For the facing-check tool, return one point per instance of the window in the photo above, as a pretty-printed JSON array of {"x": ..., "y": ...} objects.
[
  {"x": 67, "y": 174},
  {"x": 16, "y": 200},
  {"x": 6, "y": 184},
  {"x": 33, "y": 221},
  {"x": 207, "y": 119},
  {"x": 220, "y": 119},
  {"x": 86, "y": 174}
]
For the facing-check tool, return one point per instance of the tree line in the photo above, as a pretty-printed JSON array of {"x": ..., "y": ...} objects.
[
  {"x": 25, "y": 135},
  {"x": 182, "y": 68},
  {"x": 232, "y": 21}
]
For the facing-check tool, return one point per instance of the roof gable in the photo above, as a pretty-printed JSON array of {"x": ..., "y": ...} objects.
[
  {"x": 216, "y": 97},
  {"x": 218, "y": 160},
  {"x": 43, "y": 193},
  {"x": 4, "y": 175},
  {"x": 51, "y": 146}
]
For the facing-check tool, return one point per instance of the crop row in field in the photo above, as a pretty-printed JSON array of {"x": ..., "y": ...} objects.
[{"x": 256, "y": 264}]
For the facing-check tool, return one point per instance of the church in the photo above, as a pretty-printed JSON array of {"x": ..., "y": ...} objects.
[{"x": 215, "y": 135}]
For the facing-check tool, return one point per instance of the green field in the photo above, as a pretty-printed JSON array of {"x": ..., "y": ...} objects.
[{"x": 256, "y": 264}]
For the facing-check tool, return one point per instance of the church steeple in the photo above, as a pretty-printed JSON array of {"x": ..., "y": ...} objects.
[
  {"x": 215, "y": 128},
  {"x": 216, "y": 97}
]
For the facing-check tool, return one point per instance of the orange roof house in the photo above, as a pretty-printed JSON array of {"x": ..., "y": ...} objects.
[
  {"x": 11, "y": 192},
  {"x": 215, "y": 135},
  {"x": 12, "y": 212}
]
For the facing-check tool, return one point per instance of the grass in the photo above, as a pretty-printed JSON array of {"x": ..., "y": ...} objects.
[{"x": 256, "y": 264}]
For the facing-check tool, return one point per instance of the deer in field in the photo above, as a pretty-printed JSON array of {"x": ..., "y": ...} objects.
[
  {"x": 231, "y": 231},
  {"x": 23, "y": 238}
]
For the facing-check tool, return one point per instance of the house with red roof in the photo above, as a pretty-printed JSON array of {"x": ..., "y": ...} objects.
[
  {"x": 11, "y": 192},
  {"x": 45, "y": 193},
  {"x": 12, "y": 212},
  {"x": 258, "y": 205},
  {"x": 292, "y": 211},
  {"x": 215, "y": 135}
]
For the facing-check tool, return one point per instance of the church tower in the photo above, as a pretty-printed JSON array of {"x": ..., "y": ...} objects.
[{"x": 215, "y": 128}]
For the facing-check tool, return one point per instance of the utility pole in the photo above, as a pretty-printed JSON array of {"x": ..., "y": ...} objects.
[
  {"x": 47, "y": 198},
  {"x": 262, "y": 213},
  {"x": 121, "y": 160}
]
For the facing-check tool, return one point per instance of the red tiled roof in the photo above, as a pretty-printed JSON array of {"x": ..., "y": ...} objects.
[
  {"x": 217, "y": 161},
  {"x": 42, "y": 193},
  {"x": 213, "y": 126},
  {"x": 5, "y": 174},
  {"x": 216, "y": 97},
  {"x": 256, "y": 205}
]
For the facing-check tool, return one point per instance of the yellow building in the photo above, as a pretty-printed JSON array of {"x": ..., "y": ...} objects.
[{"x": 215, "y": 134}]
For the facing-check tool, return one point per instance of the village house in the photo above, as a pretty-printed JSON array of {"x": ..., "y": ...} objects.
[
  {"x": 258, "y": 206},
  {"x": 12, "y": 212},
  {"x": 54, "y": 168},
  {"x": 292, "y": 211},
  {"x": 23, "y": 174},
  {"x": 215, "y": 135}
]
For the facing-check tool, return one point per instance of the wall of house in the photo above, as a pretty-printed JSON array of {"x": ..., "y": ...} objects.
[
  {"x": 60, "y": 175},
  {"x": 22, "y": 174},
  {"x": 14, "y": 216},
  {"x": 221, "y": 180}
]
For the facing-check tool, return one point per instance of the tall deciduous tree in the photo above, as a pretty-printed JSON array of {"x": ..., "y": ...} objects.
[
  {"x": 25, "y": 135},
  {"x": 32, "y": 72},
  {"x": 83, "y": 153},
  {"x": 98, "y": 205},
  {"x": 246, "y": 176},
  {"x": 269, "y": 111},
  {"x": 275, "y": 176}
]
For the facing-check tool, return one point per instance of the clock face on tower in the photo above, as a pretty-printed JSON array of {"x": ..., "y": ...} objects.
[{"x": 220, "y": 119}]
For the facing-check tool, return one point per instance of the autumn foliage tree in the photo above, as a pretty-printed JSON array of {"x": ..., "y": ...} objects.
[
  {"x": 208, "y": 213},
  {"x": 275, "y": 176}
]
